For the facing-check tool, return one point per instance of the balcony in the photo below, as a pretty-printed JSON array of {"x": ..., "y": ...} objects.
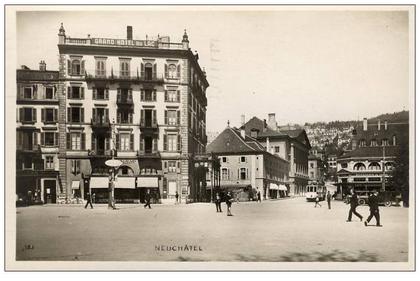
[
  {"x": 100, "y": 153},
  {"x": 29, "y": 148},
  {"x": 125, "y": 100},
  {"x": 100, "y": 123},
  {"x": 130, "y": 76},
  {"x": 148, "y": 154},
  {"x": 148, "y": 125}
]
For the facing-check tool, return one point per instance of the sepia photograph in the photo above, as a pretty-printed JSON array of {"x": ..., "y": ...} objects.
[{"x": 209, "y": 137}]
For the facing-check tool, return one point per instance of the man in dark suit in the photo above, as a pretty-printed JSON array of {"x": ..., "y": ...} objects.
[
  {"x": 329, "y": 200},
  {"x": 147, "y": 198},
  {"x": 353, "y": 205},
  {"x": 373, "y": 203},
  {"x": 89, "y": 200}
]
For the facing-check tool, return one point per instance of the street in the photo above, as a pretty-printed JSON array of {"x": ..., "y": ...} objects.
[{"x": 283, "y": 230}]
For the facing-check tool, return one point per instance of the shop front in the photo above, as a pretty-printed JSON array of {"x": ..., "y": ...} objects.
[
  {"x": 99, "y": 189},
  {"x": 125, "y": 190},
  {"x": 151, "y": 185}
]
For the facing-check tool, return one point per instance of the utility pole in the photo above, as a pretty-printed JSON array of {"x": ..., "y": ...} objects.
[
  {"x": 113, "y": 164},
  {"x": 383, "y": 168}
]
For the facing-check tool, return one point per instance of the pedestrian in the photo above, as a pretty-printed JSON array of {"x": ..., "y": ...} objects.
[
  {"x": 229, "y": 200},
  {"x": 89, "y": 200},
  {"x": 317, "y": 201},
  {"x": 93, "y": 197},
  {"x": 147, "y": 197},
  {"x": 373, "y": 203},
  {"x": 329, "y": 200},
  {"x": 259, "y": 196},
  {"x": 218, "y": 203},
  {"x": 176, "y": 197},
  {"x": 353, "y": 205}
]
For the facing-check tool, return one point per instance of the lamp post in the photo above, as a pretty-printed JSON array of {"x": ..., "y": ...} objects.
[{"x": 113, "y": 164}]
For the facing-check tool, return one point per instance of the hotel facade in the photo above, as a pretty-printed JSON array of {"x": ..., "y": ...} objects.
[{"x": 142, "y": 102}]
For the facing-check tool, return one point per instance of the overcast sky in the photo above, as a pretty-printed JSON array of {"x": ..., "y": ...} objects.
[{"x": 305, "y": 66}]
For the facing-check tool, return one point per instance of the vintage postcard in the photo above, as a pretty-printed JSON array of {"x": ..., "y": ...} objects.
[{"x": 210, "y": 137}]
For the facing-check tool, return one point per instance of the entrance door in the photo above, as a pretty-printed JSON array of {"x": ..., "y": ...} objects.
[
  {"x": 148, "y": 144},
  {"x": 50, "y": 194}
]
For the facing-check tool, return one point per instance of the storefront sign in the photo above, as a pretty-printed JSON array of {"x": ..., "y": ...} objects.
[
  {"x": 128, "y": 161},
  {"x": 124, "y": 42}
]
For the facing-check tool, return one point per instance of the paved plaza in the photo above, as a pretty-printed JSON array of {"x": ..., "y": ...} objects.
[{"x": 282, "y": 230}]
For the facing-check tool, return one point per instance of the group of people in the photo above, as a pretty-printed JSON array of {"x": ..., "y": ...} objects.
[
  {"x": 373, "y": 202},
  {"x": 228, "y": 198}
]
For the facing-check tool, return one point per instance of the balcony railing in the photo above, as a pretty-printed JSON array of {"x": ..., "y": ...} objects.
[
  {"x": 148, "y": 153},
  {"x": 152, "y": 124},
  {"x": 133, "y": 76},
  {"x": 100, "y": 122},
  {"x": 125, "y": 100},
  {"x": 100, "y": 152}
]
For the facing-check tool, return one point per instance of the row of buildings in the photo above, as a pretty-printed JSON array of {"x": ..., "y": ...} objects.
[{"x": 140, "y": 101}]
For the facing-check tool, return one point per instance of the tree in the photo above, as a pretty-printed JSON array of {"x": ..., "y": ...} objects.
[{"x": 400, "y": 173}]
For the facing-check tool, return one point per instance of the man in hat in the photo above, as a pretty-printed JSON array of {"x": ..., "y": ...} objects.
[
  {"x": 353, "y": 205},
  {"x": 373, "y": 203}
]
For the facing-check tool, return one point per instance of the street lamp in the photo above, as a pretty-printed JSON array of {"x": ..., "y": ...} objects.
[{"x": 113, "y": 164}]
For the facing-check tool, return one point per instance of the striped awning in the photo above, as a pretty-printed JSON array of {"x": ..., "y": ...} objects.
[
  {"x": 274, "y": 186},
  {"x": 147, "y": 182},
  {"x": 282, "y": 187},
  {"x": 125, "y": 182},
  {"x": 99, "y": 182}
]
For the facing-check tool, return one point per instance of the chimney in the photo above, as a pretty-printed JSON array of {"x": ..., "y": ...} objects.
[
  {"x": 243, "y": 133},
  {"x": 272, "y": 124},
  {"x": 379, "y": 125},
  {"x": 129, "y": 32},
  {"x": 386, "y": 125},
  {"x": 242, "y": 119},
  {"x": 42, "y": 66},
  {"x": 365, "y": 124}
]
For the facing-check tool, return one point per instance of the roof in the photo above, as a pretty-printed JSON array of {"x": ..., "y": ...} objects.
[
  {"x": 372, "y": 132},
  {"x": 230, "y": 141},
  {"x": 372, "y": 151},
  {"x": 36, "y": 75}
]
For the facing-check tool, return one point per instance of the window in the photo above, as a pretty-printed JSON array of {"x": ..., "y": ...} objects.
[
  {"x": 243, "y": 174},
  {"x": 243, "y": 159},
  {"x": 124, "y": 170},
  {"x": 148, "y": 95},
  {"x": 49, "y": 138},
  {"x": 27, "y": 163},
  {"x": 76, "y": 68},
  {"x": 76, "y": 141},
  {"x": 27, "y": 114},
  {"x": 359, "y": 167},
  {"x": 224, "y": 159},
  {"x": 344, "y": 165},
  {"x": 172, "y": 166},
  {"x": 100, "y": 94},
  {"x": 76, "y": 92},
  {"x": 49, "y": 93},
  {"x": 75, "y": 167},
  {"x": 394, "y": 140},
  {"x": 27, "y": 92},
  {"x": 312, "y": 175},
  {"x": 389, "y": 166},
  {"x": 373, "y": 143},
  {"x": 362, "y": 143},
  {"x": 75, "y": 114},
  {"x": 374, "y": 166},
  {"x": 277, "y": 149},
  {"x": 124, "y": 69},
  {"x": 172, "y": 117},
  {"x": 49, "y": 115},
  {"x": 172, "y": 71},
  {"x": 312, "y": 165},
  {"x": 49, "y": 162},
  {"x": 124, "y": 142},
  {"x": 124, "y": 116},
  {"x": 172, "y": 143},
  {"x": 100, "y": 68},
  {"x": 385, "y": 142},
  {"x": 225, "y": 174},
  {"x": 172, "y": 96}
]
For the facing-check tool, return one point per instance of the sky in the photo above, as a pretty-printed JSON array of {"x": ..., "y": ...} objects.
[{"x": 304, "y": 66}]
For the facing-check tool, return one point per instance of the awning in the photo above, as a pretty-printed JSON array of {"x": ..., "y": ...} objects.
[
  {"x": 75, "y": 184},
  {"x": 99, "y": 182},
  {"x": 274, "y": 186},
  {"x": 147, "y": 182},
  {"x": 125, "y": 182},
  {"x": 282, "y": 187}
]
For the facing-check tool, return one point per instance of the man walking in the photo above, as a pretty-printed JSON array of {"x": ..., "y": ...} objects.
[
  {"x": 259, "y": 196},
  {"x": 353, "y": 205},
  {"x": 176, "y": 197},
  {"x": 373, "y": 203},
  {"x": 147, "y": 198},
  {"x": 218, "y": 203},
  {"x": 329, "y": 200},
  {"x": 89, "y": 200},
  {"x": 229, "y": 200}
]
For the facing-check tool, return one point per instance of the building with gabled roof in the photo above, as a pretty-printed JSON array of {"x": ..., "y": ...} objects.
[
  {"x": 290, "y": 144},
  {"x": 246, "y": 165}
]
